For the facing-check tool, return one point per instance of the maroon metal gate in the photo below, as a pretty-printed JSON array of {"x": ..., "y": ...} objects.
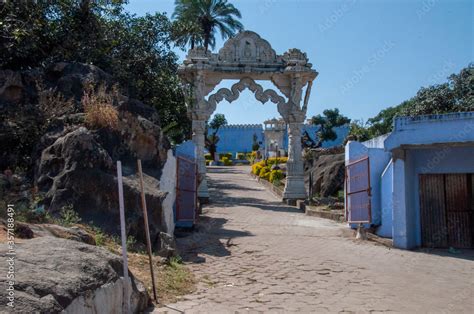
[
  {"x": 358, "y": 206},
  {"x": 446, "y": 210},
  {"x": 186, "y": 192}
]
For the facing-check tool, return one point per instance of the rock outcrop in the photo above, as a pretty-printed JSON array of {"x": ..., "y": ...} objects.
[
  {"x": 54, "y": 275},
  {"x": 326, "y": 166},
  {"x": 69, "y": 162}
]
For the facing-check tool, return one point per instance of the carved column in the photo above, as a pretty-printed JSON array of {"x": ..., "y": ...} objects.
[
  {"x": 199, "y": 131},
  {"x": 294, "y": 187},
  {"x": 294, "y": 116},
  {"x": 199, "y": 111}
]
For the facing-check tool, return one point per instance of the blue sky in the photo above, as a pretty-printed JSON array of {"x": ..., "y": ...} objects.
[{"x": 370, "y": 54}]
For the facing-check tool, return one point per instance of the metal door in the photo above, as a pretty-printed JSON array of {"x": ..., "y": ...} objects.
[
  {"x": 458, "y": 210},
  {"x": 433, "y": 211},
  {"x": 446, "y": 210},
  {"x": 358, "y": 204},
  {"x": 186, "y": 192}
]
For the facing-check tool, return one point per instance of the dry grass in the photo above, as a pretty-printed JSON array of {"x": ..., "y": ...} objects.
[
  {"x": 173, "y": 280},
  {"x": 52, "y": 103},
  {"x": 99, "y": 109}
]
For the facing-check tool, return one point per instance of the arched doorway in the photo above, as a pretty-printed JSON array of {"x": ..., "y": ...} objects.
[{"x": 247, "y": 58}]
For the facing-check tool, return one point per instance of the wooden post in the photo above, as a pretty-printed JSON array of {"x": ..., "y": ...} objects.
[
  {"x": 126, "y": 285},
  {"x": 147, "y": 229}
]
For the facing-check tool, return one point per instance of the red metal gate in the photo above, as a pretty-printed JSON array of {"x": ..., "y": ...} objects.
[
  {"x": 186, "y": 191},
  {"x": 358, "y": 206}
]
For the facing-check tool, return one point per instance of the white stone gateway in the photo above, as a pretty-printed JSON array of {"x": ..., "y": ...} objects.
[{"x": 247, "y": 57}]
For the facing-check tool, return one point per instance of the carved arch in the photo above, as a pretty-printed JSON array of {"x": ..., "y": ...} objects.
[{"x": 233, "y": 94}]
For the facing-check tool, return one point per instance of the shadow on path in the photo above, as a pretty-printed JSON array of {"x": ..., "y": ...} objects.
[
  {"x": 209, "y": 236},
  {"x": 225, "y": 193}
]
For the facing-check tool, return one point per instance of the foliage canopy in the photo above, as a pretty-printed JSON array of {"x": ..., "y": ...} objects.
[
  {"x": 456, "y": 95},
  {"x": 197, "y": 21},
  {"x": 134, "y": 50}
]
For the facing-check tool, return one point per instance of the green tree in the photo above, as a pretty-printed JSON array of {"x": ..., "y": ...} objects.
[
  {"x": 358, "y": 131},
  {"x": 136, "y": 51},
  {"x": 186, "y": 32},
  {"x": 383, "y": 121},
  {"x": 255, "y": 145},
  {"x": 216, "y": 123},
  {"x": 456, "y": 95},
  {"x": 199, "y": 20},
  {"x": 330, "y": 119}
]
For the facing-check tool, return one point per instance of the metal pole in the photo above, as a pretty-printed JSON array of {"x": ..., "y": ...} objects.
[
  {"x": 126, "y": 295},
  {"x": 147, "y": 229}
]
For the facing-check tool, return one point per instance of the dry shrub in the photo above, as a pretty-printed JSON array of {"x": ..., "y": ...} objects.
[
  {"x": 99, "y": 109},
  {"x": 53, "y": 104}
]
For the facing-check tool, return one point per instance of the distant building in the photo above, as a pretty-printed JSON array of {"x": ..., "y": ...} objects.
[
  {"x": 416, "y": 184},
  {"x": 236, "y": 138}
]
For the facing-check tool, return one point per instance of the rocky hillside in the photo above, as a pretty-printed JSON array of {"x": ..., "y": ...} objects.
[{"x": 62, "y": 130}]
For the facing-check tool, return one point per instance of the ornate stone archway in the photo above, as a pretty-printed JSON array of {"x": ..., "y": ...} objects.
[{"x": 247, "y": 57}]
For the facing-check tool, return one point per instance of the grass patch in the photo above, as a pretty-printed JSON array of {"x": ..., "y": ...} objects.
[{"x": 173, "y": 279}]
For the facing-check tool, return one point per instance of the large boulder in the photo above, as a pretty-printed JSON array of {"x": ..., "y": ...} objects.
[
  {"x": 76, "y": 170},
  {"x": 73, "y": 163},
  {"x": 54, "y": 275},
  {"x": 326, "y": 168}
]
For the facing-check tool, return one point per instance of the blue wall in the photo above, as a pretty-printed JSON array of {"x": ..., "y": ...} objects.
[
  {"x": 239, "y": 138},
  {"x": 449, "y": 159},
  {"x": 385, "y": 229}
]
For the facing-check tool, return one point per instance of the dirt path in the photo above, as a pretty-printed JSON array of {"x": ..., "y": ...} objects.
[{"x": 252, "y": 253}]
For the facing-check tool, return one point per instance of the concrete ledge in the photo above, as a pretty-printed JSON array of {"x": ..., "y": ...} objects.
[{"x": 317, "y": 211}]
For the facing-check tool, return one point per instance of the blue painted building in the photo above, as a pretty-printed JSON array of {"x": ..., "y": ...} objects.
[
  {"x": 239, "y": 137},
  {"x": 422, "y": 180}
]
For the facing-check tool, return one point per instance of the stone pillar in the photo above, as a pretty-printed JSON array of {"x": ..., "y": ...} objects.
[
  {"x": 199, "y": 131},
  {"x": 294, "y": 187}
]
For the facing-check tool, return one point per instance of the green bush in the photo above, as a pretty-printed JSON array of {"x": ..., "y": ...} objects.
[
  {"x": 226, "y": 161},
  {"x": 131, "y": 242},
  {"x": 266, "y": 176},
  {"x": 33, "y": 212},
  {"x": 277, "y": 183},
  {"x": 228, "y": 155},
  {"x": 264, "y": 173},
  {"x": 275, "y": 175},
  {"x": 250, "y": 158},
  {"x": 256, "y": 168},
  {"x": 100, "y": 238},
  {"x": 68, "y": 216},
  {"x": 240, "y": 156}
]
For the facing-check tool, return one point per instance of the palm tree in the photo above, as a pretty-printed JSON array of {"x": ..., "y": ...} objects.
[
  {"x": 207, "y": 16},
  {"x": 186, "y": 32}
]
